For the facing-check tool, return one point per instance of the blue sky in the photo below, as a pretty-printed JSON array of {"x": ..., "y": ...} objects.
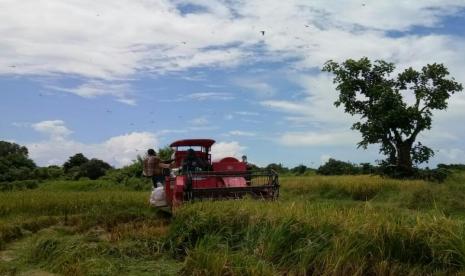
[{"x": 112, "y": 78}]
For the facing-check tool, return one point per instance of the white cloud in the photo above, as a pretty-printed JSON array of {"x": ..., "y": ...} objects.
[
  {"x": 224, "y": 149},
  {"x": 124, "y": 148},
  {"x": 287, "y": 106},
  {"x": 56, "y": 129},
  {"x": 247, "y": 113},
  {"x": 113, "y": 39},
  {"x": 228, "y": 117},
  {"x": 204, "y": 96},
  {"x": 324, "y": 158},
  {"x": 315, "y": 106},
  {"x": 257, "y": 86},
  {"x": 453, "y": 155},
  {"x": 171, "y": 131},
  {"x": 117, "y": 40},
  {"x": 118, "y": 151},
  {"x": 201, "y": 96},
  {"x": 389, "y": 15},
  {"x": 21, "y": 124},
  {"x": 241, "y": 133},
  {"x": 199, "y": 121},
  {"x": 311, "y": 138},
  {"x": 435, "y": 136},
  {"x": 121, "y": 91}
]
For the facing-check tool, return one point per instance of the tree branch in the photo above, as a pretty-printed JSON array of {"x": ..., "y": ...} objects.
[
  {"x": 412, "y": 137},
  {"x": 417, "y": 104},
  {"x": 397, "y": 136}
]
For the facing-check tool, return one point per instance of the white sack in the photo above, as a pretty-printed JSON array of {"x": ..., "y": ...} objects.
[{"x": 157, "y": 198}]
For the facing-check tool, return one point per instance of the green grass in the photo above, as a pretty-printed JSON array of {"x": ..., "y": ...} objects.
[{"x": 321, "y": 225}]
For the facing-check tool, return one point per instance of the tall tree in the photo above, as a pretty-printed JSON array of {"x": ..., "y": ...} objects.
[
  {"x": 14, "y": 162},
  {"x": 75, "y": 161},
  {"x": 94, "y": 168},
  {"x": 371, "y": 91}
]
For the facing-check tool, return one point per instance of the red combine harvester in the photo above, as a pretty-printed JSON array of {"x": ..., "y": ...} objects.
[{"x": 197, "y": 177}]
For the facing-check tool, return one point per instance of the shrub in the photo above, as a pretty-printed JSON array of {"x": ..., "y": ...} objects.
[
  {"x": 123, "y": 174},
  {"x": 452, "y": 166},
  {"x": 138, "y": 184},
  {"x": 279, "y": 168},
  {"x": 19, "y": 185},
  {"x": 50, "y": 172},
  {"x": 93, "y": 169},
  {"x": 336, "y": 167},
  {"x": 434, "y": 175}
]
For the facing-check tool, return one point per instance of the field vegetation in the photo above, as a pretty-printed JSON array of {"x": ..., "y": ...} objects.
[{"x": 359, "y": 224}]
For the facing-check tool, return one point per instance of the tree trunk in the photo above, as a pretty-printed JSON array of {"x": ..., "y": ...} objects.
[{"x": 404, "y": 157}]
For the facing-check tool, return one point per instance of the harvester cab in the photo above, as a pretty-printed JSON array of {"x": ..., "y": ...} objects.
[{"x": 197, "y": 177}]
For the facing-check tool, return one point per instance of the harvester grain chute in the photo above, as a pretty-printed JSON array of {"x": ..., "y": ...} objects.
[{"x": 197, "y": 177}]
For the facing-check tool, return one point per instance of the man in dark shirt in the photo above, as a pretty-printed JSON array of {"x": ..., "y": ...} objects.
[{"x": 192, "y": 162}]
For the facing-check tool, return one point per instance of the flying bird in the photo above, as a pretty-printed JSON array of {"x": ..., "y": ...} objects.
[{"x": 306, "y": 26}]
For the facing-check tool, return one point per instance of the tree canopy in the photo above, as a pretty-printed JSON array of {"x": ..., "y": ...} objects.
[
  {"x": 80, "y": 166},
  {"x": 94, "y": 168},
  {"x": 14, "y": 162},
  {"x": 75, "y": 161},
  {"x": 381, "y": 99}
]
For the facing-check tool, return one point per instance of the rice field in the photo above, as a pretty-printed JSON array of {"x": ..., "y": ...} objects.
[{"x": 321, "y": 225}]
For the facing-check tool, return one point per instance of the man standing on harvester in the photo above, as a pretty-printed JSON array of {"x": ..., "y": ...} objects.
[{"x": 153, "y": 168}]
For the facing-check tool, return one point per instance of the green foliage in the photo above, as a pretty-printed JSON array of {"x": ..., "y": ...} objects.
[
  {"x": 94, "y": 168},
  {"x": 75, "y": 161},
  {"x": 165, "y": 153},
  {"x": 436, "y": 175},
  {"x": 279, "y": 168},
  {"x": 299, "y": 170},
  {"x": 130, "y": 175},
  {"x": 336, "y": 167},
  {"x": 19, "y": 185},
  {"x": 137, "y": 183},
  {"x": 79, "y": 166},
  {"x": 50, "y": 172},
  {"x": 370, "y": 91},
  {"x": 460, "y": 167},
  {"x": 14, "y": 162}
]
